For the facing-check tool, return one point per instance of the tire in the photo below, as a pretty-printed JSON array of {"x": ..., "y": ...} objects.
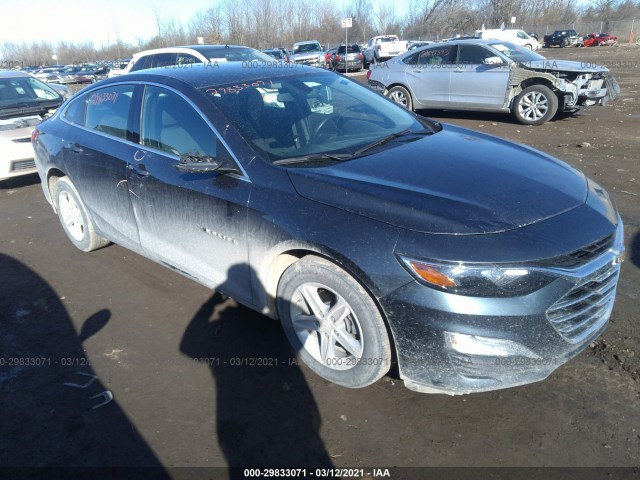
[
  {"x": 535, "y": 105},
  {"x": 75, "y": 219},
  {"x": 530, "y": 47},
  {"x": 320, "y": 305},
  {"x": 401, "y": 96}
]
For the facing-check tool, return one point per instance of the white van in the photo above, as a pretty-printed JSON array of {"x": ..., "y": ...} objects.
[{"x": 519, "y": 37}]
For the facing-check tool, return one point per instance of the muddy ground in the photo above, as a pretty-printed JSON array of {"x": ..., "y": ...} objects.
[{"x": 170, "y": 353}]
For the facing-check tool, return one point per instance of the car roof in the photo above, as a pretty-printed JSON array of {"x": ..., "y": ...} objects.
[
  {"x": 13, "y": 74},
  {"x": 186, "y": 49},
  {"x": 209, "y": 75}
]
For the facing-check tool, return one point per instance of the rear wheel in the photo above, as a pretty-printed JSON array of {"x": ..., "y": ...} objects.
[
  {"x": 332, "y": 323},
  {"x": 74, "y": 217},
  {"x": 401, "y": 96},
  {"x": 535, "y": 105}
]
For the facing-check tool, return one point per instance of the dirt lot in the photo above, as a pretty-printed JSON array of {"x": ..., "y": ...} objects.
[{"x": 169, "y": 352}]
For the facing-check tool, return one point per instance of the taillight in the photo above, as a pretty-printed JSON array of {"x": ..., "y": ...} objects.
[
  {"x": 368, "y": 74},
  {"x": 379, "y": 46},
  {"x": 34, "y": 135},
  {"x": 337, "y": 58},
  {"x": 360, "y": 56}
]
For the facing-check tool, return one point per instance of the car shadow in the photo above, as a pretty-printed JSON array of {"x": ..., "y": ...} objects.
[
  {"x": 266, "y": 414},
  {"x": 485, "y": 116},
  {"x": 54, "y": 410},
  {"x": 634, "y": 248},
  {"x": 20, "y": 181}
]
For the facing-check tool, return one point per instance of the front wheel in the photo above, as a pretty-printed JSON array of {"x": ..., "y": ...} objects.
[
  {"x": 74, "y": 217},
  {"x": 535, "y": 105},
  {"x": 401, "y": 96},
  {"x": 333, "y": 324}
]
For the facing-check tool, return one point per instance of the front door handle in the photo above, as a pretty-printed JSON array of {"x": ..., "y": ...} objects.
[{"x": 138, "y": 169}]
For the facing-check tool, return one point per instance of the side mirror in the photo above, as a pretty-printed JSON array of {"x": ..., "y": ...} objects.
[
  {"x": 493, "y": 61},
  {"x": 198, "y": 163}
]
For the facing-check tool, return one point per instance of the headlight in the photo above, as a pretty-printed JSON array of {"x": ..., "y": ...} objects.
[{"x": 478, "y": 280}]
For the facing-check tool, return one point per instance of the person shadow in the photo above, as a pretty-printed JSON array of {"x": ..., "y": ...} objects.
[
  {"x": 266, "y": 414},
  {"x": 57, "y": 418}
]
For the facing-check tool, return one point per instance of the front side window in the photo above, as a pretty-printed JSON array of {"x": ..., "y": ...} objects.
[
  {"x": 108, "y": 109},
  {"x": 171, "y": 124},
  {"x": 473, "y": 54}
]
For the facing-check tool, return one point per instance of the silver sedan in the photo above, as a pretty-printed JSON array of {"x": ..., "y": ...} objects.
[{"x": 492, "y": 75}]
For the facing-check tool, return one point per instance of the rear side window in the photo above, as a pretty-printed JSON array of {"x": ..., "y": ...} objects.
[
  {"x": 75, "y": 112},
  {"x": 171, "y": 124},
  {"x": 186, "y": 59},
  {"x": 432, "y": 56},
  {"x": 108, "y": 110}
]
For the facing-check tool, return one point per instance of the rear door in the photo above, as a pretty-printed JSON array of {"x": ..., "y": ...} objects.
[
  {"x": 195, "y": 223},
  {"x": 428, "y": 75},
  {"x": 96, "y": 151}
]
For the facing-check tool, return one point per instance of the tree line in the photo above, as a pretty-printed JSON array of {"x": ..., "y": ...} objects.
[{"x": 279, "y": 23}]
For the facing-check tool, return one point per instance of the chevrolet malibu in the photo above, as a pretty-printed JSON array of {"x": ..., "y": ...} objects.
[
  {"x": 493, "y": 76},
  {"x": 376, "y": 236}
]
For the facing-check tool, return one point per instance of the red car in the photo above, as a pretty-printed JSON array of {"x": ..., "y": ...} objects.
[{"x": 599, "y": 40}]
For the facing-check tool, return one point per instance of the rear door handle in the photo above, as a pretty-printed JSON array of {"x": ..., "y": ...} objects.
[
  {"x": 138, "y": 169},
  {"x": 77, "y": 148}
]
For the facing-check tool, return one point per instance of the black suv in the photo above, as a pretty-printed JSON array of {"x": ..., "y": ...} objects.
[{"x": 562, "y": 38}]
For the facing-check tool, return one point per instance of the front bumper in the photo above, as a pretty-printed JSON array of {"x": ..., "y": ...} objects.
[
  {"x": 16, "y": 153},
  {"x": 539, "y": 331}
]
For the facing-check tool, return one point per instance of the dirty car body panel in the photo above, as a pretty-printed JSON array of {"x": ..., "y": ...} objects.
[{"x": 312, "y": 163}]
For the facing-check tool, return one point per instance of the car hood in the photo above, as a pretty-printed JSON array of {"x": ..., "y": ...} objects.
[
  {"x": 563, "y": 66},
  {"x": 307, "y": 54},
  {"x": 453, "y": 182}
]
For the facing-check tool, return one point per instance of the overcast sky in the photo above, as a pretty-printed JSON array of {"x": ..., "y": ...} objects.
[{"x": 100, "y": 21}]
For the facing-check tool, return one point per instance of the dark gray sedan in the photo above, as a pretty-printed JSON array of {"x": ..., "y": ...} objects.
[{"x": 376, "y": 236}]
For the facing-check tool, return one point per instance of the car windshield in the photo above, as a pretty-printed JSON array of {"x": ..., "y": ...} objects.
[
  {"x": 306, "y": 47},
  {"x": 234, "y": 54},
  {"x": 351, "y": 49},
  {"x": 516, "y": 53},
  {"x": 312, "y": 114},
  {"x": 25, "y": 92}
]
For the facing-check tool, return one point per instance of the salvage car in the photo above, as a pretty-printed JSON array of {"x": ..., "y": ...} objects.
[
  {"x": 492, "y": 75},
  {"x": 24, "y": 102},
  {"x": 375, "y": 235},
  {"x": 309, "y": 52},
  {"x": 599, "y": 40},
  {"x": 563, "y": 38}
]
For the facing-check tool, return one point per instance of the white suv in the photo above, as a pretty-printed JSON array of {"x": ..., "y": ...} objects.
[{"x": 165, "y": 57}]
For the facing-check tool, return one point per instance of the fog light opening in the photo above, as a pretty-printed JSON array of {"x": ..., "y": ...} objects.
[{"x": 485, "y": 346}]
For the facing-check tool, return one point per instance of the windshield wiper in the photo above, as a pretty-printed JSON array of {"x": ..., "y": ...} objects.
[
  {"x": 391, "y": 137},
  {"x": 314, "y": 157}
]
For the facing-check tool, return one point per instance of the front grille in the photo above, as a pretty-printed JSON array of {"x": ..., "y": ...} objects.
[
  {"x": 582, "y": 255},
  {"x": 23, "y": 165},
  {"x": 587, "y": 306}
]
